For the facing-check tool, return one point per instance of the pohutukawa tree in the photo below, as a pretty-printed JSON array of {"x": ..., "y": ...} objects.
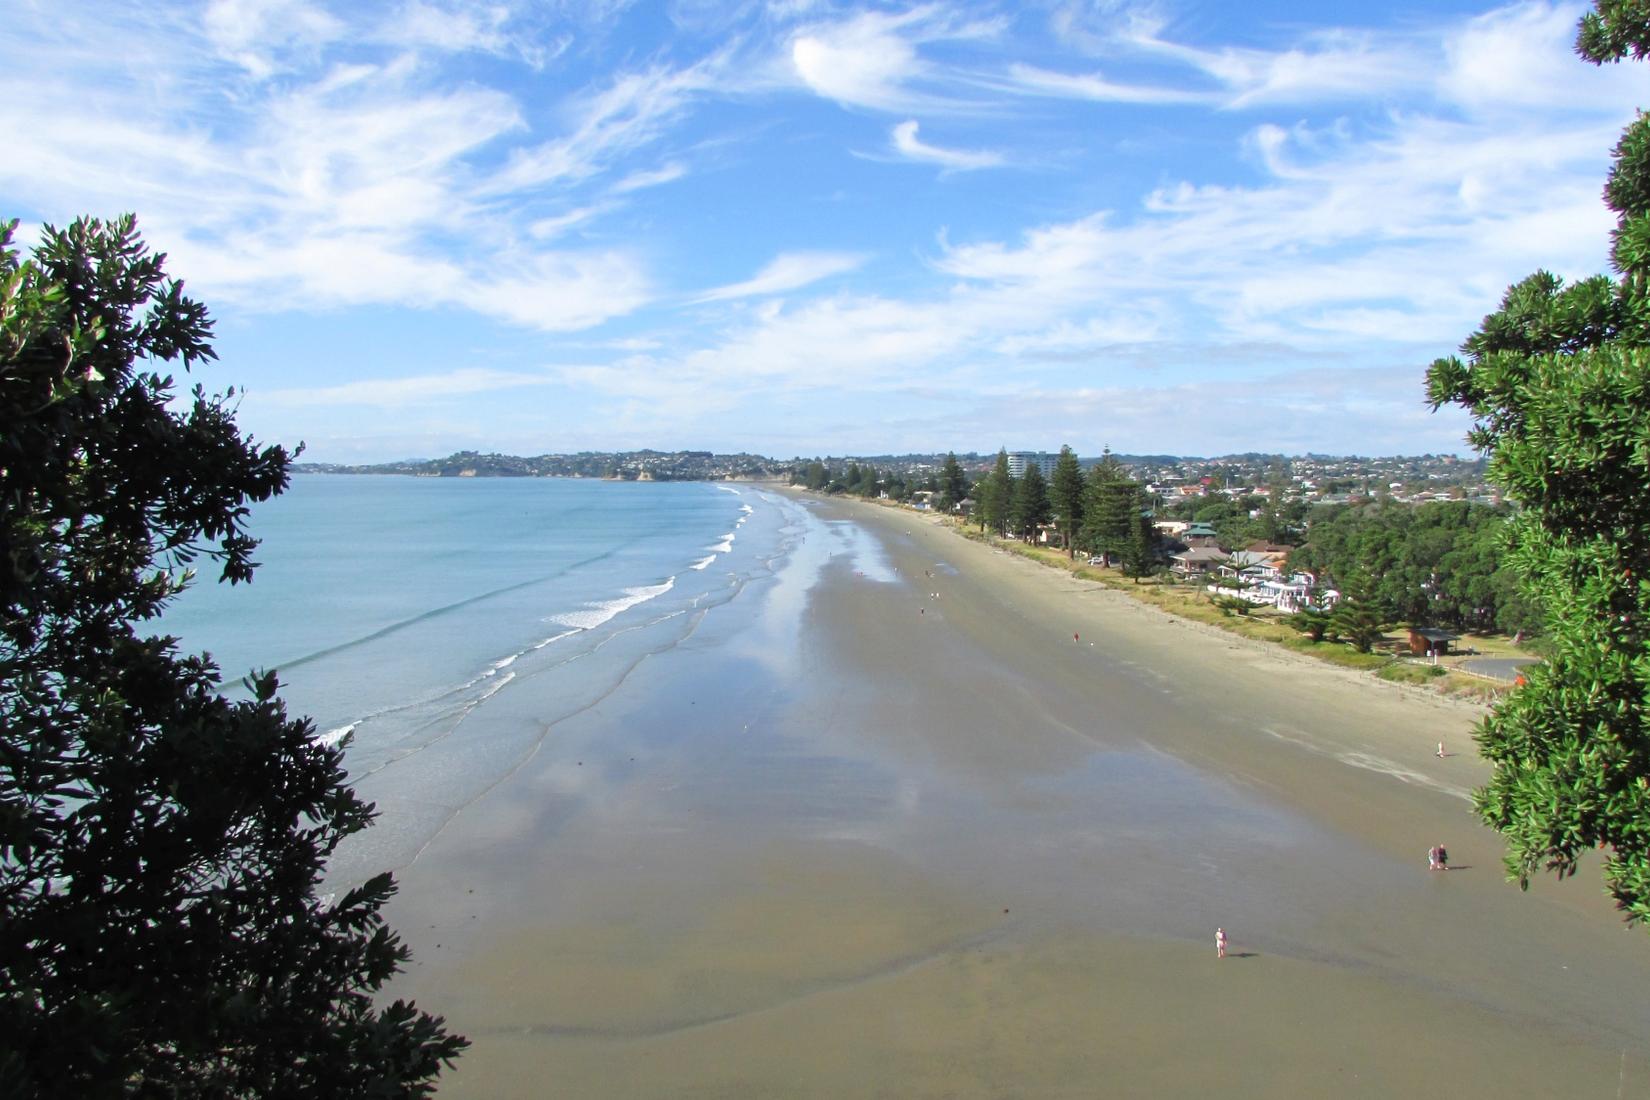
[
  {"x": 160, "y": 845},
  {"x": 1558, "y": 382}
]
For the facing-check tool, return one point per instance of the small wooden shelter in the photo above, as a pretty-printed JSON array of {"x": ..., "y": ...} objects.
[{"x": 1427, "y": 642}]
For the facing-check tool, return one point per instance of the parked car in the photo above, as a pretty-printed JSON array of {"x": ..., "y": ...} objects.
[{"x": 1097, "y": 560}]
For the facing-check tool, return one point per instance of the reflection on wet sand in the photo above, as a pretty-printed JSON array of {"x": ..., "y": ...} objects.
[{"x": 853, "y": 840}]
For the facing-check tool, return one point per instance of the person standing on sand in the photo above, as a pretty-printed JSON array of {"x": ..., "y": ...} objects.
[
  {"x": 1440, "y": 750},
  {"x": 1220, "y": 943}
]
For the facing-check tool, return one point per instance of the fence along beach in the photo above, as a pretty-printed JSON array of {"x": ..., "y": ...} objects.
[{"x": 879, "y": 826}]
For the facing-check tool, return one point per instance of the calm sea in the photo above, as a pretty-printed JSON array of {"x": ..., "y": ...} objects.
[{"x": 444, "y": 625}]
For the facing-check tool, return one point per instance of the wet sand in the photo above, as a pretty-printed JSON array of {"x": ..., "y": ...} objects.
[{"x": 906, "y": 837}]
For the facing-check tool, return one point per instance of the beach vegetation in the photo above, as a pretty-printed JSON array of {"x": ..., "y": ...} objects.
[
  {"x": 1029, "y": 504},
  {"x": 161, "y": 846},
  {"x": 1113, "y": 505},
  {"x": 995, "y": 495},
  {"x": 1314, "y": 621},
  {"x": 1558, "y": 383},
  {"x": 1141, "y": 557},
  {"x": 1358, "y": 619},
  {"x": 1411, "y": 672},
  {"x": 1442, "y": 563},
  {"x": 1065, "y": 495},
  {"x": 953, "y": 484}
]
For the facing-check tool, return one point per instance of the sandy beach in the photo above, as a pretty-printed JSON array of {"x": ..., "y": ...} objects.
[{"x": 917, "y": 818}]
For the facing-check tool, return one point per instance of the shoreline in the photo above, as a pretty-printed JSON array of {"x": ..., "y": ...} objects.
[
  {"x": 1132, "y": 596},
  {"x": 884, "y": 827}
]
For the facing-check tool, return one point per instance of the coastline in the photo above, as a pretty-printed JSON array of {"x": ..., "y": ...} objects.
[
  {"x": 1228, "y": 629},
  {"x": 883, "y": 827}
]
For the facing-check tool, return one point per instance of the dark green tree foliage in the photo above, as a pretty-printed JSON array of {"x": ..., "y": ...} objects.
[
  {"x": 1313, "y": 621},
  {"x": 1111, "y": 509},
  {"x": 1558, "y": 382},
  {"x": 160, "y": 846},
  {"x": 1140, "y": 557},
  {"x": 1438, "y": 564},
  {"x": 1358, "y": 621},
  {"x": 996, "y": 493},
  {"x": 953, "y": 484},
  {"x": 1030, "y": 507},
  {"x": 1065, "y": 497}
]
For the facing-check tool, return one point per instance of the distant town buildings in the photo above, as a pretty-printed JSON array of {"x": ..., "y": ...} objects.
[{"x": 1018, "y": 461}]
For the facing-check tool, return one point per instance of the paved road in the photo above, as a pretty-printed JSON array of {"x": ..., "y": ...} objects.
[{"x": 1497, "y": 668}]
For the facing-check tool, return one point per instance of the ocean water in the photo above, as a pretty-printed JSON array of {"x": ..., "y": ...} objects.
[{"x": 444, "y": 626}]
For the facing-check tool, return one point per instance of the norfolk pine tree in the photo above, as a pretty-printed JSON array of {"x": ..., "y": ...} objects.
[
  {"x": 1065, "y": 495},
  {"x": 1111, "y": 506},
  {"x": 160, "y": 845},
  {"x": 1140, "y": 551},
  {"x": 953, "y": 484},
  {"x": 1030, "y": 507},
  {"x": 996, "y": 494},
  {"x": 1558, "y": 383}
]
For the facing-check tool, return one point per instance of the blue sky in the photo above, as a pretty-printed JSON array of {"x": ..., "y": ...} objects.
[{"x": 1190, "y": 227}]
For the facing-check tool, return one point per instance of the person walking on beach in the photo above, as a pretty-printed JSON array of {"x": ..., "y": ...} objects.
[
  {"x": 1440, "y": 750},
  {"x": 1220, "y": 943},
  {"x": 1443, "y": 858}
]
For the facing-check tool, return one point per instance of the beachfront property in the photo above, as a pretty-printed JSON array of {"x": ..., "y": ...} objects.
[
  {"x": 1018, "y": 461},
  {"x": 1196, "y": 561},
  {"x": 1261, "y": 580},
  {"x": 1200, "y": 534}
]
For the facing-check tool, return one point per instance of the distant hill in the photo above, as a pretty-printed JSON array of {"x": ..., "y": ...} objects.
[{"x": 613, "y": 465}]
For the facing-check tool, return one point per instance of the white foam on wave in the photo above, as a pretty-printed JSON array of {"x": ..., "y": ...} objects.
[
  {"x": 496, "y": 688},
  {"x": 595, "y": 614},
  {"x": 333, "y": 736},
  {"x": 500, "y": 665},
  {"x": 702, "y": 562},
  {"x": 730, "y": 489},
  {"x": 726, "y": 545},
  {"x": 554, "y": 638},
  {"x": 746, "y": 508}
]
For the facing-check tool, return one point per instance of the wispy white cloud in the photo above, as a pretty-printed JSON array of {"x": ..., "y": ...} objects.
[
  {"x": 449, "y": 27},
  {"x": 1378, "y": 242},
  {"x": 1034, "y": 80},
  {"x": 396, "y": 393},
  {"x": 1337, "y": 195},
  {"x": 872, "y": 59},
  {"x": 1321, "y": 65},
  {"x": 255, "y": 34},
  {"x": 334, "y": 185},
  {"x": 631, "y": 112},
  {"x": 863, "y": 62},
  {"x": 905, "y": 140},
  {"x": 636, "y": 181},
  {"x": 789, "y": 271}
]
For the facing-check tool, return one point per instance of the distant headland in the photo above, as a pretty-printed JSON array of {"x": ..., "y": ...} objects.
[
  {"x": 610, "y": 465},
  {"x": 1353, "y": 474}
]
